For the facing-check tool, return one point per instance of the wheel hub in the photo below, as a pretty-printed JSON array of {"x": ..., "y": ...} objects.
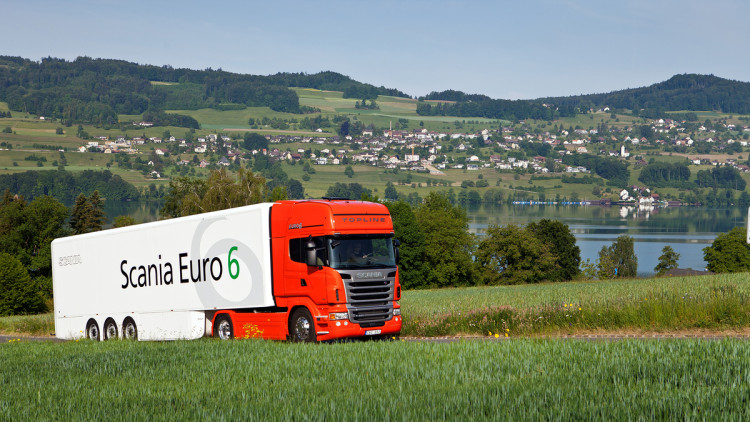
[{"x": 302, "y": 328}]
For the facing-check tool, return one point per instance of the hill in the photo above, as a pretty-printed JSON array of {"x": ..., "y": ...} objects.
[
  {"x": 96, "y": 91},
  {"x": 689, "y": 92}
]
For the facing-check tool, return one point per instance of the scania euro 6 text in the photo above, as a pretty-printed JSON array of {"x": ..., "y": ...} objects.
[{"x": 307, "y": 270}]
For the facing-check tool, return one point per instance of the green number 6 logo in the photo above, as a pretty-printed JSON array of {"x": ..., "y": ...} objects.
[{"x": 236, "y": 263}]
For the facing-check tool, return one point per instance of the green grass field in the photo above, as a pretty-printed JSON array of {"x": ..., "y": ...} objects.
[
  {"x": 717, "y": 302},
  {"x": 467, "y": 380}
]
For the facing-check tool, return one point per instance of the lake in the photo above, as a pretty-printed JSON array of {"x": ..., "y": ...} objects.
[{"x": 686, "y": 229}]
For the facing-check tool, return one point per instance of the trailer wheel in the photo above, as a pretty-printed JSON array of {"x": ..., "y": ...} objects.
[
  {"x": 129, "y": 329},
  {"x": 223, "y": 328},
  {"x": 302, "y": 326},
  {"x": 92, "y": 330},
  {"x": 110, "y": 329}
]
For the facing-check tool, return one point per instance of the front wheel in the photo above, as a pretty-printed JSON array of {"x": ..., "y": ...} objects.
[
  {"x": 223, "y": 328},
  {"x": 302, "y": 326},
  {"x": 129, "y": 329}
]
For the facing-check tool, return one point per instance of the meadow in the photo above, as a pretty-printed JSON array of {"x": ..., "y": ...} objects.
[
  {"x": 465, "y": 380},
  {"x": 714, "y": 303}
]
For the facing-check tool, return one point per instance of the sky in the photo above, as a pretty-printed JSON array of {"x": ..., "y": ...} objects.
[{"x": 504, "y": 49}]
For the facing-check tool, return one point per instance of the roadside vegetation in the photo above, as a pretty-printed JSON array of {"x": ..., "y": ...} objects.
[
  {"x": 506, "y": 380},
  {"x": 714, "y": 303},
  {"x": 655, "y": 305}
]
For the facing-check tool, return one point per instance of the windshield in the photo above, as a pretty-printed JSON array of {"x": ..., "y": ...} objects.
[{"x": 361, "y": 252}]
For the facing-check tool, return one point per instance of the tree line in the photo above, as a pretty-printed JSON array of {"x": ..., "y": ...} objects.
[
  {"x": 160, "y": 118},
  {"x": 66, "y": 186},
  {"x": 486, "y": 107}
]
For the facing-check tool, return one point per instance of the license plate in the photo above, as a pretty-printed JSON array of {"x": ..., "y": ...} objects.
[{"x": 372, "y": 332}]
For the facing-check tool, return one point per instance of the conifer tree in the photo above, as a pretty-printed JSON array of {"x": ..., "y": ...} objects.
[{"x": 87, "y": 215}]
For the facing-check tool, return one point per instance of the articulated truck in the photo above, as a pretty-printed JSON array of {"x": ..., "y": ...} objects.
[{"x": 309, "y": 270}]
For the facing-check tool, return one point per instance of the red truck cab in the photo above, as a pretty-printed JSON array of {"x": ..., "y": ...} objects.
[{"x": 334, "y": 275}]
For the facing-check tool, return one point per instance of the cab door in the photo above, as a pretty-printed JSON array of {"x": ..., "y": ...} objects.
[{"x": 302, "y": 280}]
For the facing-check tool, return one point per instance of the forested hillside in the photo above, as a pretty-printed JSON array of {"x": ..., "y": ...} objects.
[
  {"x": 95, "y": 91},
  {"x": 680, "y": 92},
  {"x": 465, "y": 105}
]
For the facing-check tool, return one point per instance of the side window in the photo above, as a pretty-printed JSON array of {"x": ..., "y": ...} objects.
[
  {"x": 298, "y": 253},
  {"x": 296, "y": 250}
]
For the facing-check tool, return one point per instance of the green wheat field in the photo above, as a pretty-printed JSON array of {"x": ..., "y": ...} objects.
[{"x": 397, "y": 380}]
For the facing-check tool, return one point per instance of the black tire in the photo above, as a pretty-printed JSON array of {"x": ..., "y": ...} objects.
[
  {"x": 302, "y": 327},
  {"x": 110, "y": 329},
  {"x": 129, "y": 329},
  {"x": 92, "y": 330},
  {"x": 223, "y": 327}
]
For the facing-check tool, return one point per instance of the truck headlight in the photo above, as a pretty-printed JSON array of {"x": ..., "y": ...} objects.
[
  {"x": 338, "y": 316},
  {"x": 396, "y": 311}
]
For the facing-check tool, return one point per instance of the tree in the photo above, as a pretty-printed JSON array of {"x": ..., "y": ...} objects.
[
  {"x": 26, "y": 232},
  {"x": 254, "y": 141},
  {"x": 511, "y": 255},
  {"x": 98, "y": 217},
  {"x": 221, "y": 191},
  {"x": 448, "y": 243},
  {"x": 349, "y": 172},
  {"x": 278, "y": 194},
  {"x": 18, "y": 294},
  {"x": 408, "y": 231},
  {"x": 618, "y": 259},
  {"x": 390, "y": 192},
  {"x": 667, "y": 260},
  {"x": 344, "y": 128},
  {"x": 729, "y": 252},
  {"x": 351, "y": 191},
  {"x": 87, "y": 215},
  {"x": 562, "y": 245},
  {"x": 294, "y": 189}
]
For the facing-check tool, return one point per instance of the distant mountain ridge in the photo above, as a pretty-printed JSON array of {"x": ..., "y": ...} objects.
[
  {"x": 691, "y": 92},
  {"x": 95, "y": 91},
  {"x": 88, "y": 90}
]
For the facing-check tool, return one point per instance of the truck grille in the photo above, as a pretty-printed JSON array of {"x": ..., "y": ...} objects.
[{"x": 370, "y": 301}]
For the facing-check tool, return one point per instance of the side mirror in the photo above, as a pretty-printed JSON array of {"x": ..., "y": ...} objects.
[{"x": 311, "y": 257}]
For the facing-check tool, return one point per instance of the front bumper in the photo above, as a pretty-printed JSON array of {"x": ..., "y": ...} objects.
[{"x": 331, "y": 330}]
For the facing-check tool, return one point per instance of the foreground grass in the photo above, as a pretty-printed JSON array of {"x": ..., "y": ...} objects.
[
  {"x": 718, "y": 302},
  {"x": 257, "y": 380}
]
